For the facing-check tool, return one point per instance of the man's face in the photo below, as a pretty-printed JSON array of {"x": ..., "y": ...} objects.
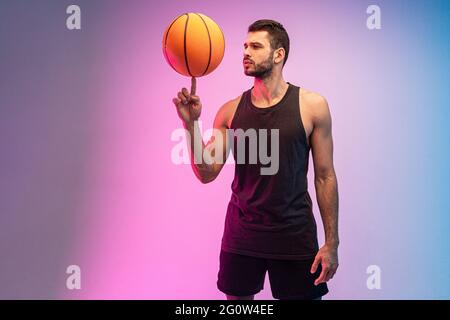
[{"x": 258, "y": 55}]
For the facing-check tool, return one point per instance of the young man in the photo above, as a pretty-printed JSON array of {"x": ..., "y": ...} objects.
[{"x": 269, "y": 225}]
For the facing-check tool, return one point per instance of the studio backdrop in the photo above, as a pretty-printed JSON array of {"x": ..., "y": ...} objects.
[{"x": 95, "y": 179}]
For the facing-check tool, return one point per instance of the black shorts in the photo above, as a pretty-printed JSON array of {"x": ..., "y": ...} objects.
[{"x": 241, "y": 275}]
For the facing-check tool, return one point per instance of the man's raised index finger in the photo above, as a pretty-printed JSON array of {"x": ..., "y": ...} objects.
[{"x": 193, "y": 85}]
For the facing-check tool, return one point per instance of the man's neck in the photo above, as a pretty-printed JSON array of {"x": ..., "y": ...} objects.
[{"x": 269, "y": 89}]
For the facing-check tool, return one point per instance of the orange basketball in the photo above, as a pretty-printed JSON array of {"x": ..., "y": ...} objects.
[{"x": 193, "y": 45}]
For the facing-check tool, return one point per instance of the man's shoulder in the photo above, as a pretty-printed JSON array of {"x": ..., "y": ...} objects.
[
  {"x": 315, "y": 104},
  {"x": 234, "y": 101},
  {"x": 311, "y": 98},
  {"x": 230, "y": 105},
  {"x": 228, "y": 109}
]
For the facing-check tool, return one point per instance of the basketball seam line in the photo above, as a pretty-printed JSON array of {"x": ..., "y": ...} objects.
[
  {"x": 185, "y": 49},
  {"x": 210, "y": 44}
]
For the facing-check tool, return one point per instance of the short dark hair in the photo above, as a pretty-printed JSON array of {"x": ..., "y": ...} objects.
[{"x": 277, "y": 34}]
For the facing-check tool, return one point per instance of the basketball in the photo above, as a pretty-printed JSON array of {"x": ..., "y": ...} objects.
[{"x": 193, "y": 45}]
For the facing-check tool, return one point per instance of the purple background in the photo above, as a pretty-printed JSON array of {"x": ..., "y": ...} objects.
[{"x": 86, "y": 120}]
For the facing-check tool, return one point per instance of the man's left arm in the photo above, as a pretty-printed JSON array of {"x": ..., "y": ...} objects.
[{"x": 325, "y": 182}]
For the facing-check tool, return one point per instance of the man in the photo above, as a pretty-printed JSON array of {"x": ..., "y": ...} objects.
[{"x": 269, "y": 225}]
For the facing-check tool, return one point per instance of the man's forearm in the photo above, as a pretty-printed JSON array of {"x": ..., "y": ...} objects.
[
  {"x": 196, "y": 146},
  {"x": 328, "y": 201}
]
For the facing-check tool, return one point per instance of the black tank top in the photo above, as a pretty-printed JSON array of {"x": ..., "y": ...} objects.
[{"x": 270, "y": 216}]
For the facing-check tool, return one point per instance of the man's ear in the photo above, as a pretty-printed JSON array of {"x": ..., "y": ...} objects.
[{"x": 279, "y": 55}]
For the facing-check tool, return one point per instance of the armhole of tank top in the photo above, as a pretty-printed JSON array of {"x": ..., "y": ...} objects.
[
  {"x": 302, "y": 126},
  {"x": 237, "y": 109}
]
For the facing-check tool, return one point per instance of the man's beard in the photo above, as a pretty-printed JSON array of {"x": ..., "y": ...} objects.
[{"x": 262, "y": 70}]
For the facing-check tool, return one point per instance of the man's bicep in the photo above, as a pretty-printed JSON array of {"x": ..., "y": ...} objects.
[
  {"x": 322, "y": 141},
  {"x": 219, "y": 144}
]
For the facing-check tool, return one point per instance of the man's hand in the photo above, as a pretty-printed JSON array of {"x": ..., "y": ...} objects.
[
  {"x": 328, "y": 258},
  {"x": 188, "y": 104}
]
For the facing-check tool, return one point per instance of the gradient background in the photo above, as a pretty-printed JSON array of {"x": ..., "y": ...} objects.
[{"x": 86, "y": 119}]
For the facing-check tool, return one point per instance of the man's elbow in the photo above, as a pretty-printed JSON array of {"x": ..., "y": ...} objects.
[
  {"x": 325, "y": 177},
  {"x": 206, "y": 178}
]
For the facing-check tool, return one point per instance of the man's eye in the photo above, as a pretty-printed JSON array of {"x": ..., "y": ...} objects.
[{"x": 253, "y": 46}]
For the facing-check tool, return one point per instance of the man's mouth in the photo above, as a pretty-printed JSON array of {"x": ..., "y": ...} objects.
[{"x": 247, "y": 62}]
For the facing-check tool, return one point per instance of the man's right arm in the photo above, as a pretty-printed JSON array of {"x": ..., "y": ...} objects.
[{"x": 206, "y": 160}]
